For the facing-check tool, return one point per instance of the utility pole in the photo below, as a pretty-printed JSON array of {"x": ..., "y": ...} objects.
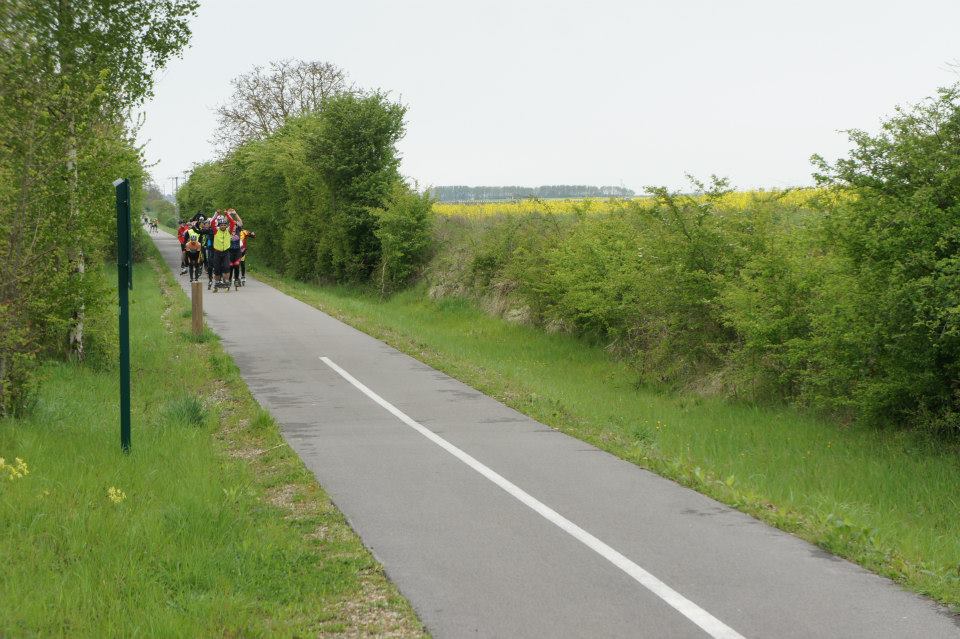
[{"x": 176, "y": 187}]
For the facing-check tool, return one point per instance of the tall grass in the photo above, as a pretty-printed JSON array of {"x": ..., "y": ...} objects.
[{"x": 180, "y": 537}]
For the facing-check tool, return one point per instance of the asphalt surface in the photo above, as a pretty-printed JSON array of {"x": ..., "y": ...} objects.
[{"x": 477, "y": 558}]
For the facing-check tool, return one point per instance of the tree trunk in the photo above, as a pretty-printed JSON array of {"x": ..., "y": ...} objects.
[
  {"x": 4, "y": 399},
  {"x": 383, "y": 277},
  {"x": 67, "y": 59},
  {"x": 77, "y": 258}
]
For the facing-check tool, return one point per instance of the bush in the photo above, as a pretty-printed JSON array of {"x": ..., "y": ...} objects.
[
  {"x": 475, "y": 256},
  {"x": 845, "y": 302},
  {"x": 403, "y": 229},
  {"x": 354, "y": 154},
  {"x": 887, "y": 345},
  {"x": 142, "y": 244},
  {"x": 18, "y": 364},
  {"x": 769, "y": 304}
]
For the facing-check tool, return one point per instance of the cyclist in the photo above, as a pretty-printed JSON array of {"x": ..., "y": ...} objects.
[
  {"x": 193, "y": 251},
  {"x": 182, "y": 228},
  {"x": 235, "y": 248},
  {"x": 225, "y": 226},
  {"x": 206, "y": 248},
  {"x": 244, "y": 235}
]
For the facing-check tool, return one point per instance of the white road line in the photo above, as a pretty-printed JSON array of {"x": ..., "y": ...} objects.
[{"x": 710, "y": 624}]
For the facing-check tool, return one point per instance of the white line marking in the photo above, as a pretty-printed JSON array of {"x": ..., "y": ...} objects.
[{"x": 710, "y": 624}]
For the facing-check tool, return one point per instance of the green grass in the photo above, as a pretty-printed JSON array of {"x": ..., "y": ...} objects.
[
  {"x": 888, "y": 500},
  {"x": 222, "y": 530}
]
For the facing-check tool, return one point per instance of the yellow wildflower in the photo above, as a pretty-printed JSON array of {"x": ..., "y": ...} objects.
[
  {"x": 116, "y": 495},
  {"x": 733, "y": 201},
  {"x": 16, "y": 470}
]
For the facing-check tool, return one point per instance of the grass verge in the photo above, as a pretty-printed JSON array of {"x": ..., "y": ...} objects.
[
  {"x": 212, "y": 526},
  {"x": 886, "y": 500}
]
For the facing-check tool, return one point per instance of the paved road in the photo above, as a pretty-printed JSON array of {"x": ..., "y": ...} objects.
[{"x": 494, "y": 525}]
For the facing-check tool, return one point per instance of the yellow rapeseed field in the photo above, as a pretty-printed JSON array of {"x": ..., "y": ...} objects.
[{"x": 733, "y": 200}]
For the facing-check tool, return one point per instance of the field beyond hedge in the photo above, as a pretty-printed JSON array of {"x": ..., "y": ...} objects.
[{"x": 588, "y": 206}]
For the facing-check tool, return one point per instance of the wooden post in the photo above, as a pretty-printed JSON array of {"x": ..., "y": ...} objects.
[{"x": 196, "y": 297}]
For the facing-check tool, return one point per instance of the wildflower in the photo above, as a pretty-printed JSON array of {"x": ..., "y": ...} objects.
[
  {"x": 16, "y": 470},
  {"x": 116, "y": 495}
]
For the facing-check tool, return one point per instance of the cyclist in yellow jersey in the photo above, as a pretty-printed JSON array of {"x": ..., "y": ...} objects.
[{"x": 225, "y": 227}]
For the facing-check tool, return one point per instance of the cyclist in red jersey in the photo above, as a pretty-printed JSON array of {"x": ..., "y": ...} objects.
[{"x": 182, "y": 229}]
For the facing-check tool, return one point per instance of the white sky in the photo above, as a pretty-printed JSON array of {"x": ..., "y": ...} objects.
[{"x": 606, "y": 92}]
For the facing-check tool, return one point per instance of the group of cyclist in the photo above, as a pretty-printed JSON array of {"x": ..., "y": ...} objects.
[
  {"x": 151, "y": 223},
  {"x": 217, "y": 245}
]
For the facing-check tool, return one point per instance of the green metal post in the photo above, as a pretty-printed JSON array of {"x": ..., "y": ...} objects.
[{"x": 124, "y": 284}]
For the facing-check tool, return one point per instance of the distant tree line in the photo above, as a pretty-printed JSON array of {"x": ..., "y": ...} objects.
[{"x": 486, "y": 193}]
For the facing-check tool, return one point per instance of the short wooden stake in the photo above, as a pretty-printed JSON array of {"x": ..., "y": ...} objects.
[{"x": 196, "y": 297}]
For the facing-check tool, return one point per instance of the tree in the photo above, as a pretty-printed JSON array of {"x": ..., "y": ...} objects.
[
  {"x": 891, "y": 339},
  {"x": 103, "y": 54},
  {"x": 265, "y": 98},
  {"x": 71, "y": 71},
  {"x": 355, "y": 155},
  {"x": 325, "y": 188},
  {"x": 157, "y": 206},
  {"x": 199, "y": 192},
  {"x": 404, "y": 227}
]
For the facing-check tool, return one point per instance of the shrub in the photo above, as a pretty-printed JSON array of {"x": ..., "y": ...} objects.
[
  {"x": 844, "y": 299},
  {"x": 403, "y": 229},
  {"x": 644, "y": 280},
  {"x": 888, "y": 345},
  {"x": 768, "y": 302},
  {"x": 18, "y": 363},
  {"x": 353, "y": 151}
]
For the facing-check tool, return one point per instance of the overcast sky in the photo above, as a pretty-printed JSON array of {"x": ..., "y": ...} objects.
[{"x": 636, "y": 92}]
